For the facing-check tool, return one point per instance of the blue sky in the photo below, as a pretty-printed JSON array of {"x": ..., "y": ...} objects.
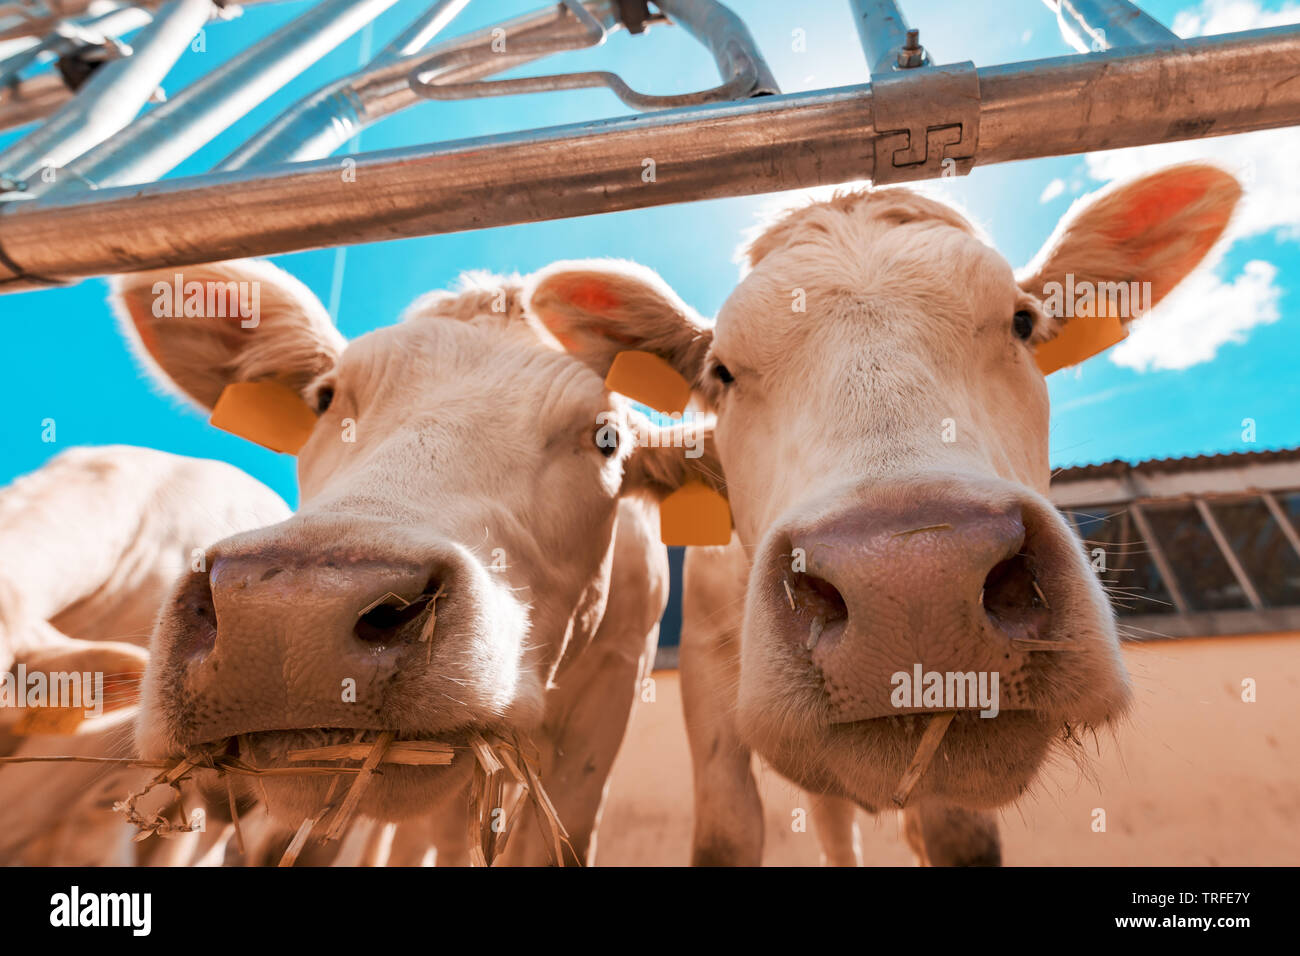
[{"x": 1226, "y": 351}]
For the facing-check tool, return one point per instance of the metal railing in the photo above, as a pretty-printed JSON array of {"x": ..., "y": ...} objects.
[{"x": 101, "y": 213}]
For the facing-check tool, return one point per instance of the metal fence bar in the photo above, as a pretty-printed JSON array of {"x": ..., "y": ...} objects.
[
  {"x": 36, "y": 26},
  {"x": 883, "y": 31},
  {"x": 421, "y": 31},
  {"x": 112, "y": 96},
  {"x": 322, "y": 122},
  {"x": 1094, "y": 25},
  {"x": 158, "y": 141},
  {"x": 1209, "y": 86},
  {"x": 1158, "y": 558},
  {"x": 1283, "y": 520},
  {"x": 1225, "y": 549},
  {"x": 76, "y": 35}
]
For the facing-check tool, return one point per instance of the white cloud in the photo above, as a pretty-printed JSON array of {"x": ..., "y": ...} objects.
[
  {"x": 1199, "y": 316},
  {"x": 1208, "y": 311},
  {"x": 1053, "y": 189},
  {"x": 1232, "y": 16}
]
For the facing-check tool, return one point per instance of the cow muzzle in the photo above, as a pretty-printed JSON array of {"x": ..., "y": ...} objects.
[
  {"x": 927, "y": 597},
  {"x": 281, "y": 647}
]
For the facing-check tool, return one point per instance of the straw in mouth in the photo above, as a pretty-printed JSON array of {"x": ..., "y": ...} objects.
[
  {"x": 498, "y": 763},
  {"x": 925, "y": 751}
]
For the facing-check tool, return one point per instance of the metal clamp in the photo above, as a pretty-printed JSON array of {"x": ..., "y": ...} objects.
[{"x": 926, "y": 121}]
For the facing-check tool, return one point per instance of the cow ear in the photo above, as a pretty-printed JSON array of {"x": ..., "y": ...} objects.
[
  {"x": 1146, "y": 235},
  {"x": 201, "y": 328},
  {"x": 678, "y": 466},
  {"x": 599, "y": 308},
  {"x": 112, "y": 667}
]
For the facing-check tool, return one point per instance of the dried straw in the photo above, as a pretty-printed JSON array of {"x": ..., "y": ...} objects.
[
  {"x": 498, "y": 762},
  {"x": 925, "y": 752}
]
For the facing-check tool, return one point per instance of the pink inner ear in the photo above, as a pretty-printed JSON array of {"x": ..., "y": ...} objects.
[
  {"x": 1158, "y": 203},
  {"x": 591, "y": 295}
]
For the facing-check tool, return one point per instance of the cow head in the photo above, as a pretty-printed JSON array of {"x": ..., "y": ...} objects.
[
  {"x": 460, "y": 490},
  {"x": 882, "y": 422}
]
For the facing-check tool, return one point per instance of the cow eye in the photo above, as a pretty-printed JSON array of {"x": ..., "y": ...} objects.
[
  {"x": 606, "y": 439},
  {"x": 324, "y": 398},
  {"x": 1022, "y": 323},
  {"x": 723, "y": 374}
]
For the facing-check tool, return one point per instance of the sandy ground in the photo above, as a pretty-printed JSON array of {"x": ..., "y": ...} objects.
[{"x": 1195, "y": 776}]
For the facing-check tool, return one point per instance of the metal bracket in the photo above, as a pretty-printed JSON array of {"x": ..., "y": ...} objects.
[{"x": 926, "y": 121}]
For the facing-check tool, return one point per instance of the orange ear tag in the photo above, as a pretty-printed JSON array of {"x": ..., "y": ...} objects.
[
  {"x": 1079, "y": 339},
  {"x": 695, "y": 514},
  {"x": 648, "y": 379},
  {"x": 268, "y": 413}
]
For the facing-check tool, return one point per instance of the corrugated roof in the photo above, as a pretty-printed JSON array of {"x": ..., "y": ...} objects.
[{"x": 1119, "y": 468}]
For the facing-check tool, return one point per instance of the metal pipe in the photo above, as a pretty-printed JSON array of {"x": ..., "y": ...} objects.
[
  {"x": 1094, "y": 25},
  {"x": 727, "y": 38},
  {"x": 158, "y": 141},
  {"x": 1209, "y": 86},
  {"x": 1206, "y": 86},
  {"x": 421, "y": 31},
  {"x": 30, "y": 100},
  {"x": 63, "y": 9},
  {"x": 75, "y": 36},
  {"x": 112, "y": 96},
  {"x": 322, "y": 122},
  {"x": 883, "y": 32}
]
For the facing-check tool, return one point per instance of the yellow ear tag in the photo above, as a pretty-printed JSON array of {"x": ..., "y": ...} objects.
[
  {"x": 648, "y": 379},
  {"x": 1079, "y": 339},
  {"x": 695, "y": 514},
  {"x": 268, "y": 413}
]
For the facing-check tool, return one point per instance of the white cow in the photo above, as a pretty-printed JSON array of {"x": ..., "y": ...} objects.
[
  {"x": 882, "y": 421},
  {"x": 89, "y": 545},
  {"x": 471, "y": 478}
]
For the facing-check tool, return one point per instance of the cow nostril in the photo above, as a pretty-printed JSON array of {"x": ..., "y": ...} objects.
[
  {"x": 198, "y": 612},
  {"x": 1011, "y": 593},
  {"x": 387, "y": 621},
  {"x": 820, "y": 602}
]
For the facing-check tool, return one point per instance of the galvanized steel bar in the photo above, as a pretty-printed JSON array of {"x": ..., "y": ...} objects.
[
  {"x": 112, "y": 96},
  {"x": 322, "y": 122},
  {"x": 1095, "y": 25},
  {"x": 161, "y": 139},
  {"x": 1205, "y": 87},
  {"x": 883, "y": 31}
]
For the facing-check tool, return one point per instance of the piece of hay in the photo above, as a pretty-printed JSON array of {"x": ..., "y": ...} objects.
[
  {"x": 358, "y": 788},
  {"x": 925, "y": 752},
  {"x": 298, "y": 842},
  {"x": 429, "y": 753},
  {"x": 426, "y": 633}
]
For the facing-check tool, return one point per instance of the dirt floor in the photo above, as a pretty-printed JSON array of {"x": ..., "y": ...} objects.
[{"x": 1195, "y": 776}]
